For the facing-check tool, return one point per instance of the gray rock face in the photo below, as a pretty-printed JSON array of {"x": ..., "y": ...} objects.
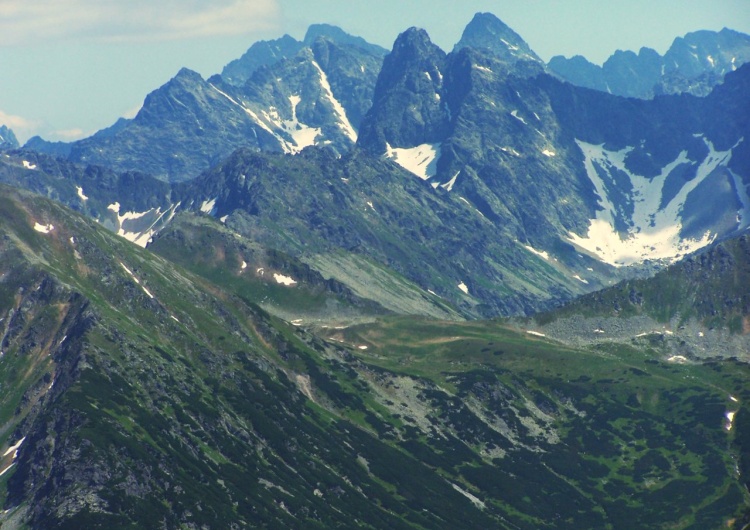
[
  {"x": 269, "y": 53},
  {"x": 407, "y": 108},
  {"x": 183, "y": 127}
]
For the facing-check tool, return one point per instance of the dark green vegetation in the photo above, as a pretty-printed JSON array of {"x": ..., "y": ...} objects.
[{"x": 149, "y": 397}]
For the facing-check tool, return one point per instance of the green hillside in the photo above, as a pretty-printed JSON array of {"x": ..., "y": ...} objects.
[{"x": 146, "y": 396}]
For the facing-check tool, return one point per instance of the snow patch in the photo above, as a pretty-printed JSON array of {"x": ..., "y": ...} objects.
[
  {"x": 44, "y": 229},
  {"x": 729, "y": 415},
  {"x": 679, "y": 359},
  {"x": 472, "y": 206},
  {"x": 136, "y": 280},
  {"x": 14, "y": 448},
  {"x": 448, "y": 186},
  {"x": 148, "y": 220},
  {"x": 535, "y": 333},
  {"x": 463, "y": 287},
  {"x": 284, "y": 280},
  {"x": 115, "y": 207},
  {"x": 478, "y": 503},
  {"x": 80, "y": 193},
  {"x": 547, "y": 152},
  {"x": 514, "y": 113},
  {"x": 509, "y": 45},
  {"x": 208, "y": 206},
  {"x": 285, "y": 146},
  {"x": 580, "y": 279},
  {"x": 243, "y": 266},
  {"x": 338, "y": 109},
  {"x": 28, "y": 165},
  {"x": 540, "y": 253},
  {"x": 482, "y": 68},
  {"x": 303, "y": 135},
  {"x": 420, "y": 160},
  {"x": 743, "y": 214}
]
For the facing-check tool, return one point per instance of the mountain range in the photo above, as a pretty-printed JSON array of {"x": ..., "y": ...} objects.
[
  {"x": 579, "y": 188},
  {"x": 694, "y": 64},
  {"x": 402, "y": 288}
]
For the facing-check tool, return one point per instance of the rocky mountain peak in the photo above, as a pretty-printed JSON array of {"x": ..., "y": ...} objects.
[
  {"x": 340, "y": 37},
  {"x": 486, "y": 31},
  {"x": 414, "y": 43},
  {"x": 407, "y": 107},
  {"x": 699, "y": 52},
  {"x": 262, "y": 53},
  {"x": 693, "y": 64},
  {"x": 8, "y": 140}
]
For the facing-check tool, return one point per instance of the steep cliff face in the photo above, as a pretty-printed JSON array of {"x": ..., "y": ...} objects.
[{"x": 407, "y": 108}]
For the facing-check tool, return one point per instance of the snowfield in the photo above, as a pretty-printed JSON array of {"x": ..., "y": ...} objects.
[
  {"x": 654, "y": 229},
  {"x": 44, "y": 229},
  {"x": 420, "y": 160}
]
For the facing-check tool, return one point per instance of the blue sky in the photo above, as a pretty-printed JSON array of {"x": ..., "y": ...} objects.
[{"x": 71, "y": 67}]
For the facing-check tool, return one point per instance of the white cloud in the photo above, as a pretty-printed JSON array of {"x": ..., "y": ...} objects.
[
  {"x": 21, "y": 127},
  {"x": 133, "y": 111},
  {"x": 68, "y": 135},
  {"x": 24, "y": 22}
]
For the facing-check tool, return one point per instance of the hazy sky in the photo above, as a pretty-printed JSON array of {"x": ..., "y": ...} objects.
[{"x": 71, "y": 67}]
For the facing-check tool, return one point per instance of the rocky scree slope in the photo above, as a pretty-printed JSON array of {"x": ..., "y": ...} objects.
[{"x": 696, "y": 309}]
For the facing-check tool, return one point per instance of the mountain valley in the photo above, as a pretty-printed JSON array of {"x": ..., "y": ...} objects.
[{"x": 340, "y": 286}]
